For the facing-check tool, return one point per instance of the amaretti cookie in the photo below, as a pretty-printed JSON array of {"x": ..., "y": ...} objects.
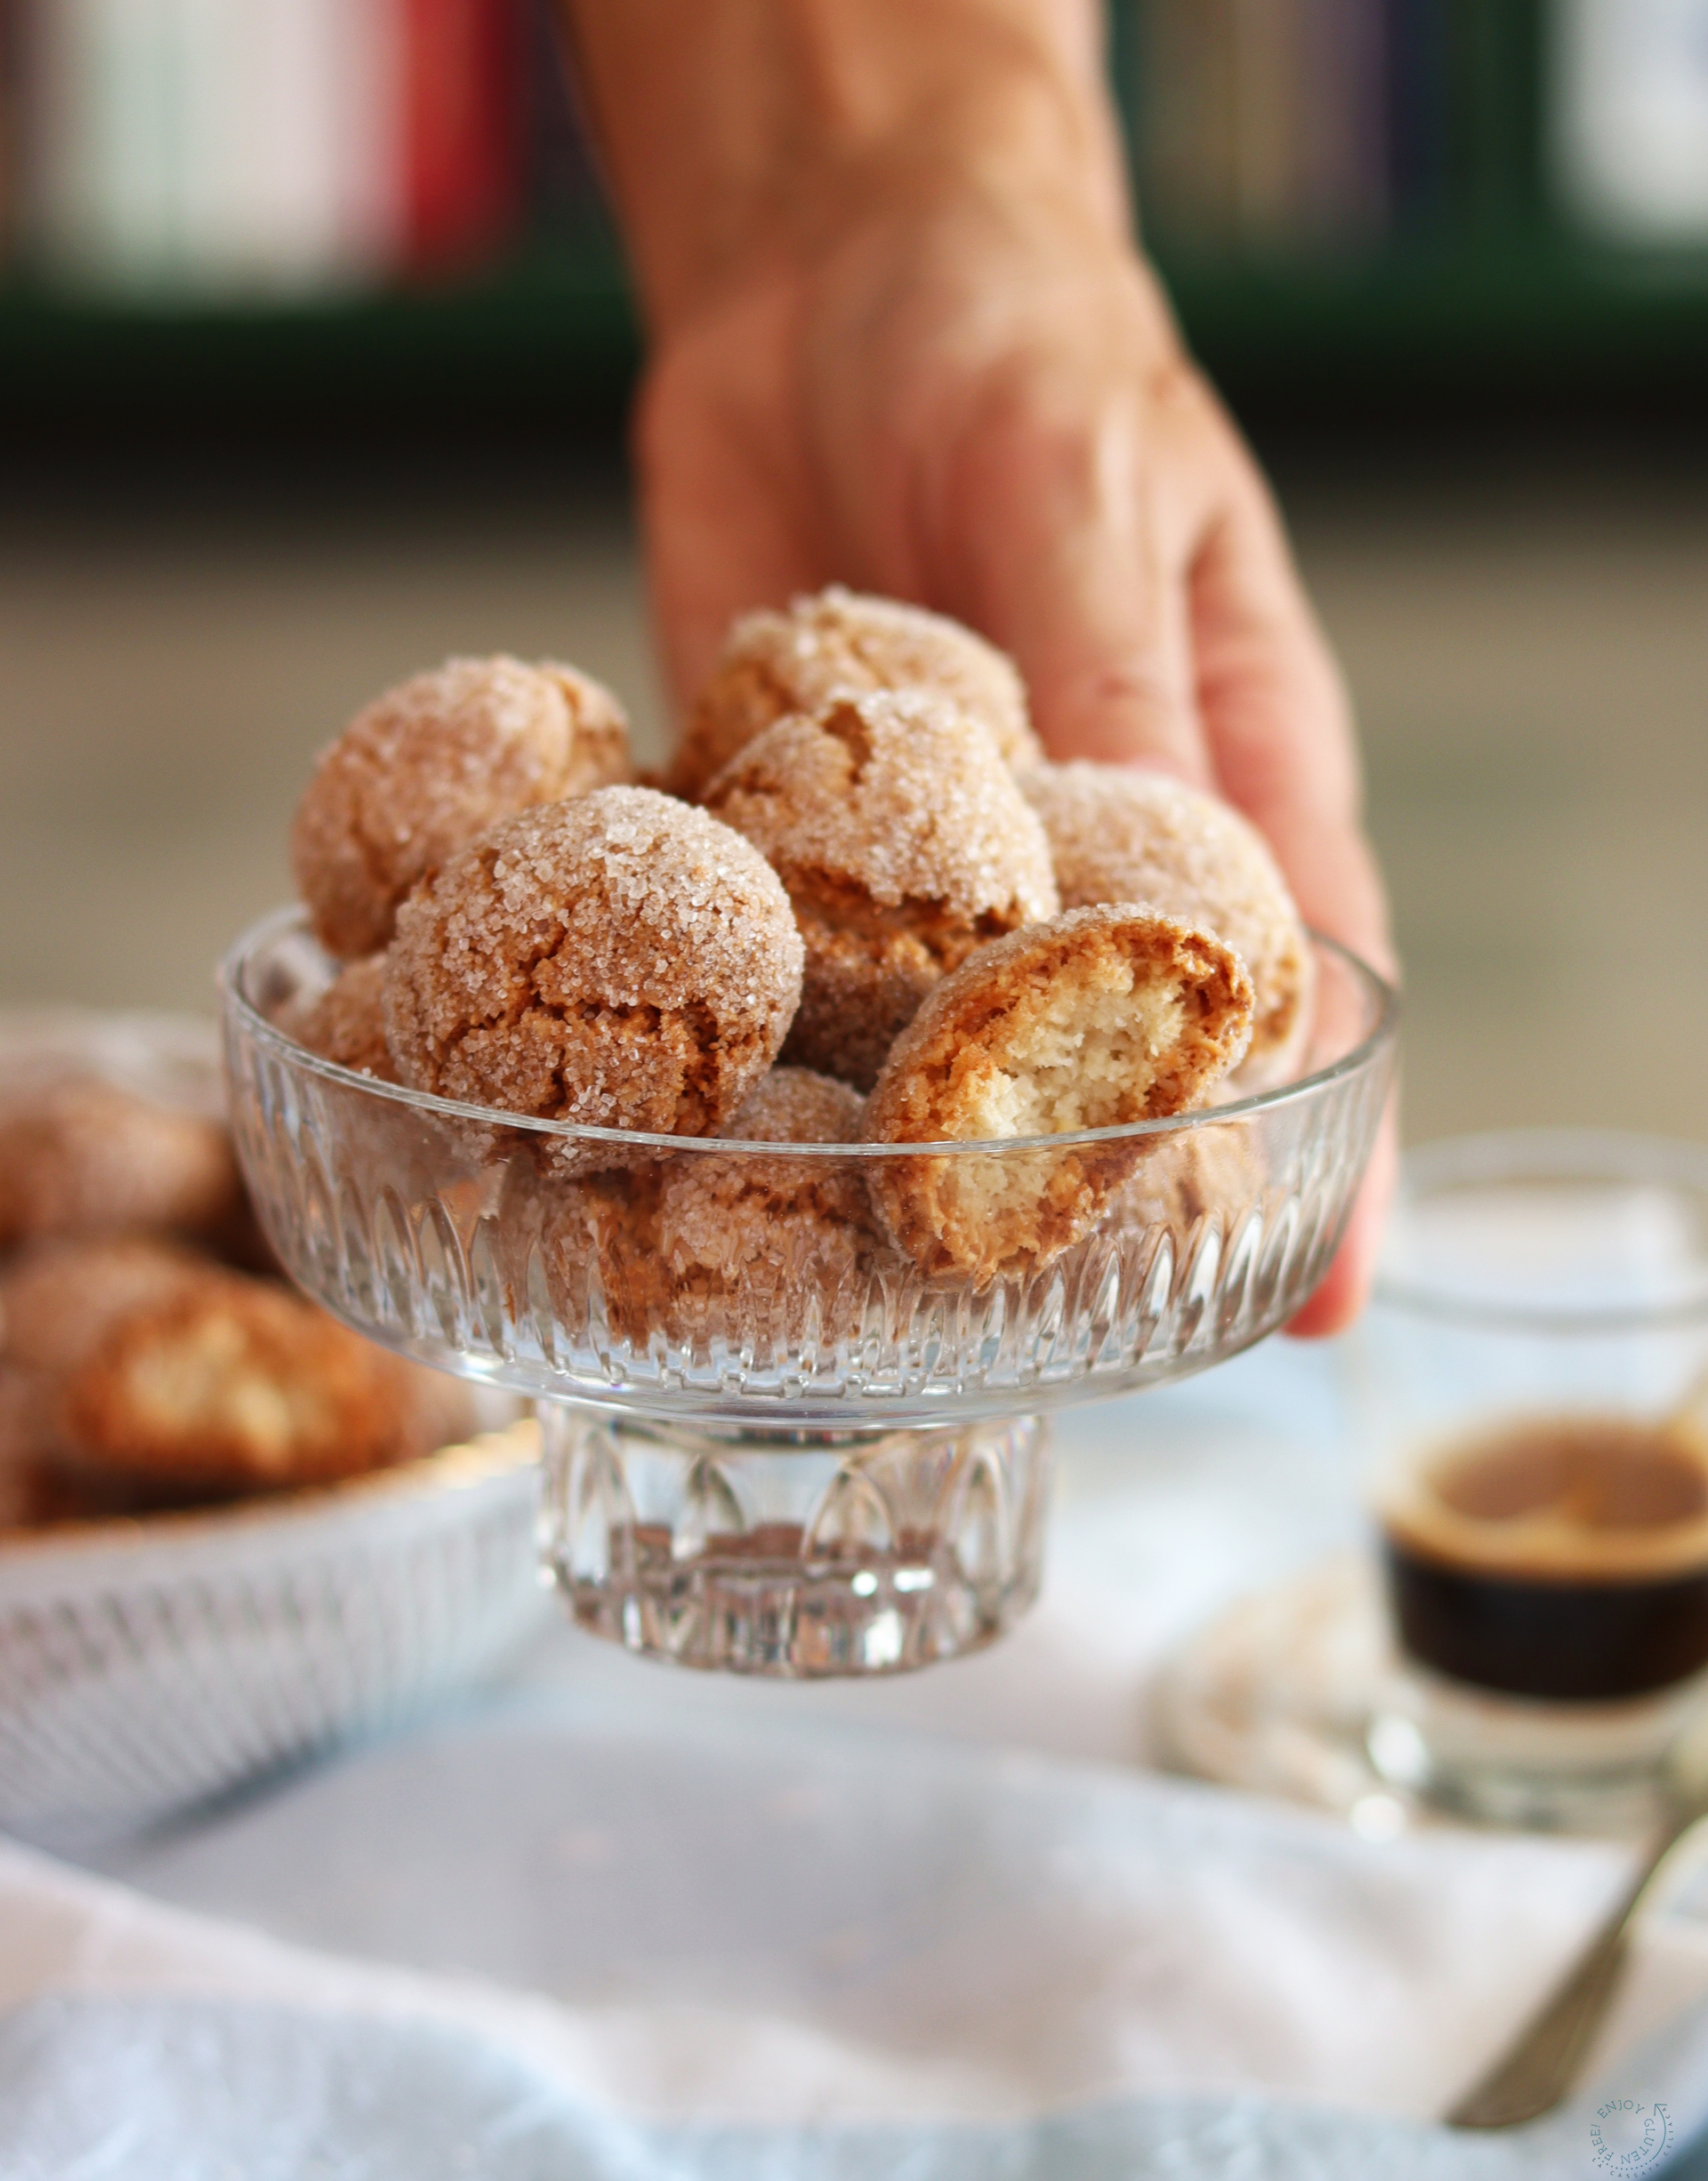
[
  {"x": 427, "y": 767},
  {"x": 622, "y": 961},
  {"x": 760, "y": 1247},
  {"x": 1103, "y": 1016},
  {"x": 1116, "y": 834},
  {"x": 598, "y": 1238},
  {"x": 346, "y": 1023},
  {"x": 139, "y": 1361},
  {"x": 836, "y": 640},
  {"x": 231, "y": 1384},
  {"x": 1203, "y": 1173},
  {"x": 61, "y": 1300},
  {"x": 83, "y": 1157},
  {"x": 903, "y": 843}
]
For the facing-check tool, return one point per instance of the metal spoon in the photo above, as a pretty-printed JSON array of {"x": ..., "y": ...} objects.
[{"x": 1536, "y": 2070}]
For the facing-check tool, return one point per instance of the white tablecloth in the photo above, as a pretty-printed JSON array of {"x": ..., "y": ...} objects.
[{"x": 622, "y": 1921}]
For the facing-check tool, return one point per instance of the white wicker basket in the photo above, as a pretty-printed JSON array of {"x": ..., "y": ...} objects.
[{"x": 148, "y": 1665}]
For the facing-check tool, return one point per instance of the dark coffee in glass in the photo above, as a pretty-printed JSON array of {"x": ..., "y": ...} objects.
[
  {"x": 1531, "y": 1388},
  {"x": 1564, "y": 1558}
]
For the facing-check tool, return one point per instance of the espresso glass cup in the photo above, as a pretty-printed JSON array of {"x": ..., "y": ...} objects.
[{"x": 1532, "y": 1383}]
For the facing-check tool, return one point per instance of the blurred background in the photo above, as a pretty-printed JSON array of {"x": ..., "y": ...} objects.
[{"x": 315, "y": 346}]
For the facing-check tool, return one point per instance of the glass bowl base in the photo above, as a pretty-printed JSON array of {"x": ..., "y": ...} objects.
[{"x": 795, "y": 1555}]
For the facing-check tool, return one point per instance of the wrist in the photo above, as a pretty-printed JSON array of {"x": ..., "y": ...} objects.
[{"x": 775, "y": 129}]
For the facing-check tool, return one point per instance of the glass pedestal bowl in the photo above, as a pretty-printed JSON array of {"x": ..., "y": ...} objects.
[{"x": 773, "y": 1443}]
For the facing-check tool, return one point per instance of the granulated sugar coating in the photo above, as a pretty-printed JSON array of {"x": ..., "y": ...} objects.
[
  {"x": 435, "y": 761},
  {"x": 775, "y": 663},
  {"x": 1103, "y": 1018},
  {"x": 347, "y": 1022},
  {"x": 754, "y": 1246},
  {"x": 1120, "y": 835},
  {"x": 904, "y": 842},
  {"x": 795, "y": 1106},
  {"x": 621, "y": 960}
]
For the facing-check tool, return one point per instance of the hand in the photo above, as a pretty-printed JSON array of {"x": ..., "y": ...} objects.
[{"x": 946, "y": 375}]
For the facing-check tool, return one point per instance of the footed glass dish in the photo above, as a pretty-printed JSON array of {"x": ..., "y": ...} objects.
[{"x": 774, "y": 1444}]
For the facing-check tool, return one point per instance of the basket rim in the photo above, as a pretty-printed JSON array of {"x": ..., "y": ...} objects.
[{"x": 460, "y": 1467}]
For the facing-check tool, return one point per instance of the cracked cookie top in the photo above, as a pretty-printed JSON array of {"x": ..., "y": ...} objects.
[
  {"x": 620, "y": 961},
  {"x": 903, "y": 843},
  {"x": 426, "y": 767},
  {"x": 837, "y": 640}
]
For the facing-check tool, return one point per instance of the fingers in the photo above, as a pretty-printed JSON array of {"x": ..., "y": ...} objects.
[
  {"x": 1345, "y": 1289},
  {"x": 1279, "y": 730},
  {"x": 1276, "y": 715},
  {"x": 721, "y": 504},
  {"x": 1064, "y": 539}
]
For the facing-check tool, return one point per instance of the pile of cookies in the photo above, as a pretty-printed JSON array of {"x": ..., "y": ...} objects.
[
  {"x": 148, "y": 1357},
  {"x": 860, "y": 908}
]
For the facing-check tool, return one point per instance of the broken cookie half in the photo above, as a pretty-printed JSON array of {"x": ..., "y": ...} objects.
[{"x": 1099, "y": 1018}]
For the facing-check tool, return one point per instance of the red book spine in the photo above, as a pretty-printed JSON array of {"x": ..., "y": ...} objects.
[{"x": 465, "y": 128}]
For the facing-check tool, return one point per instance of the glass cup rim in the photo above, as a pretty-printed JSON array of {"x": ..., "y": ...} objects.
[
  {"x": 1380, "y": 998},
  {"x": 1498, "y": 1156}
]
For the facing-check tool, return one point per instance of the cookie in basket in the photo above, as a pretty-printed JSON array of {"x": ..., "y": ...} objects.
[{"x": 81, "y": 1156}]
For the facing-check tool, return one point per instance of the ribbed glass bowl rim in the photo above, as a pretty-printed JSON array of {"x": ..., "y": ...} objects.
[
  {"x": 1380, "y": 999},
  {"x": 1495, "y": 1157}
]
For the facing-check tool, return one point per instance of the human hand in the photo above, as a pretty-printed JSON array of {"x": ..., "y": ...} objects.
[{"x": 949, "y": 377}]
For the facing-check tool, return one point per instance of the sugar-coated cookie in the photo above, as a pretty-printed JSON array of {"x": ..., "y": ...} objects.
[
  {"x": 346, "y": 1022},
  {"x": 1117, "y": 834},
  {"x": 233, "y": 1384},
  {"x": 621, "y": 961},
  {"x": 425, "y": 767},
  {"x": 837, "y": 640},
  {"x": 758, "y": 1246},
  {"x": 83, "y": 1157},
  {"x": 903, "y": 843}
]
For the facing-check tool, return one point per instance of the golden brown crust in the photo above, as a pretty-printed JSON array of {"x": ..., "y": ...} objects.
[
  {"x": 622, "y": 961},
  {"x": 1119, "y": 834},
  {"x": 775, "y": 663},
  {"x": 84, "y": 1325},
  {"x": 903, "y": 843},
  {"x": 1101, "y": 1018},
  {"x": 82, "y": 1158},
  {"x": 234, "y": 1385},
  {"x": 427, "y": 767},
  {"x": 346, "y": 1023}
]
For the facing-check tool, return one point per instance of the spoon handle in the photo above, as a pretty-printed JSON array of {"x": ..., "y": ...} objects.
[{"x": 1535, "y": 2072}]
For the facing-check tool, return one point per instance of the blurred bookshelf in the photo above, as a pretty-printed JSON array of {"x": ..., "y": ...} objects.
[{"x": 1398, "y": 207}]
